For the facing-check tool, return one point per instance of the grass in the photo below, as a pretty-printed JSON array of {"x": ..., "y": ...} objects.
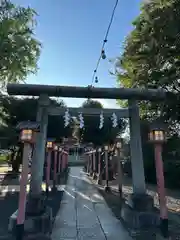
[{"x": 3, "y": 158}]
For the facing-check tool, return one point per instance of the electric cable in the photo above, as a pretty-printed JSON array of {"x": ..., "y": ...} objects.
[{"x": 102, "y": 54}]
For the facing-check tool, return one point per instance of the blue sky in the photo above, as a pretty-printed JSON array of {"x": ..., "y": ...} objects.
[{"x": 72, "y": 32}]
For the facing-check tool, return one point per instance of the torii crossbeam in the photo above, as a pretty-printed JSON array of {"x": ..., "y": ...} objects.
[{"x": 86, "y": 92}]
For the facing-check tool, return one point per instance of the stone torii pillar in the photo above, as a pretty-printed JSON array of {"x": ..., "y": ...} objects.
[
  {"x": 35, "y": 202},
  {"x": 137, "y": 164},
  {"x": 140, "y": 201}
]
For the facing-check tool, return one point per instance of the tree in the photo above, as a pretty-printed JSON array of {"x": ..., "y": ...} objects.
[
  {"x": 151, "y": 57},
  {"x": 91, "y": 131},
  {"x": 19, "y": 49},
  {"x": 15, "y": 110},
  {"x": 92, "y": 104}
]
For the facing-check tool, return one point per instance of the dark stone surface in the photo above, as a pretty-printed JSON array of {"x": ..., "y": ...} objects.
[
  {"x": 141, "y": 202},
  {"x": 94, "y": 176},
  {"x": 39, "y": 227},
  {"x": 34, "y": 224},
  {"x": 36, "y": 205},
  {"x": 99, "y": 181},
  {"x": 8, "y": 204},
  {"x": 139, "y": 219}
]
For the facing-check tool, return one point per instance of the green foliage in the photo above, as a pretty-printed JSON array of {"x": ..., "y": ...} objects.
[
  {"x": 15, "y": 110},
  {"x": 19, "y": 49},
  {"x": 151, "y": 56},
  {"x": 151, "y": 59},
  {"x": 91, "y": 131},
  {"x": 92, "y": 104},
  {"x": 3, "y": 158}
]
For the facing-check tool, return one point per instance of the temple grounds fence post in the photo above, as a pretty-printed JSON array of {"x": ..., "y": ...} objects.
[
  {"x": 107, "y": 188},
  {"x": 99, "y": 180},
  {"x": 49, "y": 148},
  {"x": 120, "y": 172}
]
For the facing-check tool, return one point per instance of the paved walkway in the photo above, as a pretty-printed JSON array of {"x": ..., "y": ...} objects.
[{"x": 84, "y": 215}]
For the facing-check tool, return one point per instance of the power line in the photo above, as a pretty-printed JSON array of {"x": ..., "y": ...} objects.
[{"x": 102, "y": 54}]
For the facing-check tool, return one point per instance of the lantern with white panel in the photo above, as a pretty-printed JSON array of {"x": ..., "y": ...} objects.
[
  {"x": 49, "y": 145},
  {"x": 28, "y": 131},
  {"x": 157, "y": 135}
]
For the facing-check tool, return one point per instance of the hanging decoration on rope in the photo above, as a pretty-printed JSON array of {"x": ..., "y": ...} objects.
[
  {"x": 101, "y": 124},
  {"x": 103, "y": 54},
  {"x": 81, "y": 125},
  {"x": 114, "y": 120},
  {"x": 67, "y": 118}
]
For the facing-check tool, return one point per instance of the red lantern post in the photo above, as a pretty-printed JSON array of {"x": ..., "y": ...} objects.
[
  {"x": 27, "y": 136},
  {"x": 120, "y": 172},
  {"x": 59, "y": 161},
  {"x": 157, "y": 137},
  {"x": 107, "y": 188},
  {"x": 49, "y": 147},
  {"x": 99, "y": 181},
  {"x": 94, "y": 163},
  {"x": 55, "y": 167},
  {"x": 66, "y": 160}
]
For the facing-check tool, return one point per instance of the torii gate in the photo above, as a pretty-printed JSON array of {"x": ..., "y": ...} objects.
[{"x": 132, "y": 112}]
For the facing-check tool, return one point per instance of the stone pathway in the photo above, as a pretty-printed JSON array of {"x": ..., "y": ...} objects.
[{"x": 84, "y": 214}]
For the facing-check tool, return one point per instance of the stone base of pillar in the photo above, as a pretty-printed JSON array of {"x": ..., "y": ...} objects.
[
  {"x": 34, "y": 225},
  {"x": 99, "y": 181},
  {"x": 107, "y": 189},
  {"x": 36, "y": 205},
  {"x": 59, "y": 178},
  {"x": 141, "y": 202},
  {"x": 138, "y": 213},
  {"x": 54, "y": 188},
  {"x": 94, "y": 176}
]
